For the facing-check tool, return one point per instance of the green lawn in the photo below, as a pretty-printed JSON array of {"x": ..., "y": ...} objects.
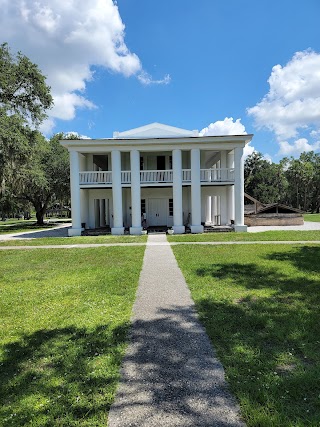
[
  {"x": 74, "y": 240},
  {"x": 260, "y": 307},
  {"x": 281, "y": 235},
  {"x": 312, "y": 217},
  {"x": 64, "y": 316}
]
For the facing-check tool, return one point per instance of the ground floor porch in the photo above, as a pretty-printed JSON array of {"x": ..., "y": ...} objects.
[{"x": 101, "y": 208}]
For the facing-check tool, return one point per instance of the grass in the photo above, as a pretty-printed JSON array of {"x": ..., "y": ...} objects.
[
  {"x": 74, "y": 240},
  {"x": 260, "y": 307},
  {"x": 281, "y": 235},
  {"x": 312, "y": 217},
  {"x": 64, "y": 319}
]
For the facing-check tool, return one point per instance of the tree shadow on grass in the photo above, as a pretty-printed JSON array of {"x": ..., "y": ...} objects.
[
  {"x": 269, "y": 344},
  {"x": 61, "y": 377},
  {"x": 271, "y": 355},
  {"x": 305, "y": 258}
]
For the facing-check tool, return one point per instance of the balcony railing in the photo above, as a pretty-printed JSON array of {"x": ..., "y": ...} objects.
[
  {"x": 217, "y": 175},
  {"x": 157, "y": 177},
  {"x": 95, "y": 177}
]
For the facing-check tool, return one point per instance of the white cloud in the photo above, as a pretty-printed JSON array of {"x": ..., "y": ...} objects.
[
  {"x": 248, "y": 150},
  {"x": 293, "y": 101},
  {"x": 67, "y": 38},
  {"x": 297, "y": 147},
  {"x": 315, "y": 133},
  {"x": 224, "y": 127},
  {"x": 227, "y": 127},
  {"x": 146, "y": 79},
  {"x": 268, "y": 158}
]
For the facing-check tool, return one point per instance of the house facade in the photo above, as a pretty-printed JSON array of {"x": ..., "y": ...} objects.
[{"x": 157, "y": 175}]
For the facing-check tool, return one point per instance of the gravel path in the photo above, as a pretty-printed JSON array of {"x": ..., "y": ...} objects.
[{"x": 170, "y": 375}]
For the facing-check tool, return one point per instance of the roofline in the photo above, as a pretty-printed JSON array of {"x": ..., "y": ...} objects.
[{"x": 164, "y": 140}]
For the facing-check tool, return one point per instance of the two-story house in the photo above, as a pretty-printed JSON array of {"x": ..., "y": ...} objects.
[{"x": 157, "y": 175}]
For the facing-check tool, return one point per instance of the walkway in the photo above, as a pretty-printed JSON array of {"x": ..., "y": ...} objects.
[{"x": 170, "y": 376}]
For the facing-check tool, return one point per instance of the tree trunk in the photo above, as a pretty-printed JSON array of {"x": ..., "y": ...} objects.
[{"x": 40, "y": 212}]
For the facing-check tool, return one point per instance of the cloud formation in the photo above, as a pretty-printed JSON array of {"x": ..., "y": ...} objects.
[
  {"x": 67, "y": 38},
  {"x": 227, "y": 127},
  {"x": 292, "y": 104},
  {"x": 224, "y": 127},
  {"x": 297, "y": 147}
]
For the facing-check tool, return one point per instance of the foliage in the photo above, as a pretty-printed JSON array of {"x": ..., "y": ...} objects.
[
  {"x": 44, "y": 178},
  {"x": 24, "y": 100},
  {"x": 294, "y": 182},
  {"x": 263, "y": 180},
  {"x": 260, "y": 307},
  {"x": 23, "y": 89}
]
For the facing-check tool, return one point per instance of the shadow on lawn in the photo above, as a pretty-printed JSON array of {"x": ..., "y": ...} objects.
[
  {"x": 269, "y": 345},
  {"x": 255, "y": 276},
  {"x": 61, "y": 377},
  {"x": 305, "y": 258}
]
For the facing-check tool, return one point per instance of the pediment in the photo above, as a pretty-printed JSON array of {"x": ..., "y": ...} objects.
[{"x": 155, "y": 130}]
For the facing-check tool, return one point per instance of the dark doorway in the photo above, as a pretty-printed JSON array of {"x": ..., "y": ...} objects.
[{"x": 161, "y": 163}]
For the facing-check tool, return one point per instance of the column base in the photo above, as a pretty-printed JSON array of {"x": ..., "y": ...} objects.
[
  {"x": 195, "y": 229},
  {"x": 136, "y": 231},
  {"x": 179, "y": 229},
  {"x": 117, "y": 231},
  {"x": 240, "y": 228},
  {"x": 75, "y": 232}
]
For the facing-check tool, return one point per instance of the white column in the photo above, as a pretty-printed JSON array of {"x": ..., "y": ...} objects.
[
  {"x": 135, "y": 192},
  {"x": 75, "y": 194},
  {"x": 117, "y": 193},
  {"x": 102, "y": 207},
  {"x": 196, "y": 226},
  {"x": 208, "y": 211},
  {"x": 178, "y": 226},
  {"x": 239, "y": 190},
  {"x": 230, "y": 190},
  {"x": 96, "y": 213},
  {"x": 213, "y": 210},
  {"x": 223, "y": 206}
]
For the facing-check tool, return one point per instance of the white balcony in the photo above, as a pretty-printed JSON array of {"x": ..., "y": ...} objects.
[{"x": 156, "y": 177}]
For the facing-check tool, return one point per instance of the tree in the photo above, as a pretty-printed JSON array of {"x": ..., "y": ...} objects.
[
  {"x": 24, "y": 100},
  {"x": 264, "y": 180},
  {"x": 23, "y": 88},
  {"x": 45, "y": 177},
  {"x": 303, "y": 174}
]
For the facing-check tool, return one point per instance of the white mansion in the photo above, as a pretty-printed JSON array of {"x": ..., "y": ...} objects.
[{"x": 157, "y": 175}]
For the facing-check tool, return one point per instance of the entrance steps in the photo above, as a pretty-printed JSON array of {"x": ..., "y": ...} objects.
[{"x": 218, "y": 228}]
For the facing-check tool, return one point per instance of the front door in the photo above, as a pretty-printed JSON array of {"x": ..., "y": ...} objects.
[
  {"x": 157, "y": 212},
  {"x": 161, "y": 163}
]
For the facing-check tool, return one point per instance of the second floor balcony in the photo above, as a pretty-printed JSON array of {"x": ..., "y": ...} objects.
[{"x": 156, "y": 177}]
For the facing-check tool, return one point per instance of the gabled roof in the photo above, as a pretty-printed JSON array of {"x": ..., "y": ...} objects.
[{"x": 155, "y": 130}]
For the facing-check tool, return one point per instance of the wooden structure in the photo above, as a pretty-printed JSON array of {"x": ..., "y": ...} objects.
[{"x": 258, "y": 213}]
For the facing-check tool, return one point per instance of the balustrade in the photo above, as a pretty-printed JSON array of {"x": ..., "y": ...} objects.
[{"x": 157, "y": 176}]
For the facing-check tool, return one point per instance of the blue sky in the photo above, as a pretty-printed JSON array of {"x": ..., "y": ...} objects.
[{"x": 180, "y": 62}]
